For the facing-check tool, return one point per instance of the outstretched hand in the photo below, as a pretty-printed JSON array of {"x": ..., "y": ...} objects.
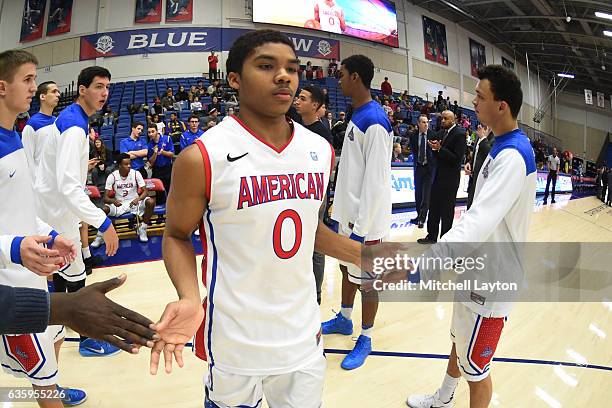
[{"x": 176, "y": 327}]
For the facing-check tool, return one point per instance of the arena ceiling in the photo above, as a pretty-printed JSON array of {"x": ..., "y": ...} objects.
[{"x": 541, "y": 29}]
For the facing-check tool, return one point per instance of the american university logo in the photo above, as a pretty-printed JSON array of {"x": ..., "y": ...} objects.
[
  {"x": 324, "y": 48},
  {"x": 105, "y": 44}
]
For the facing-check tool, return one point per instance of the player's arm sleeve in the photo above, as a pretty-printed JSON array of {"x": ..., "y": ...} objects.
[
  {"x": 489, "y": 208},
  {"x": 24, "y": 310},
  {"x": 29, "y": 147},
  {"x": 375, "y": 190},
  {"x": 68, "y": 169}
]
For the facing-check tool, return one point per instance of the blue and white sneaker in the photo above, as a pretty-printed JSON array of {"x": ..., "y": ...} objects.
[
  {"x": 96, "y": 348},
  {"x": 72, "y": 396},
  {"x": 338, "y": 325},
  {"x": 358, "y": 355}
]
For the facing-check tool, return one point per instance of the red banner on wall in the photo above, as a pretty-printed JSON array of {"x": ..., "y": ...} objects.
[
  {"x": 60, "y": 17},
  {"x": 32, "y": 20},
  {"x": 179, "y": 11},
  {"x": 148, "y": 11}
]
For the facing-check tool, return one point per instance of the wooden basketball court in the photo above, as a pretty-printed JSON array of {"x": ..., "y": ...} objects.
[{"x": 553, "y": 354}]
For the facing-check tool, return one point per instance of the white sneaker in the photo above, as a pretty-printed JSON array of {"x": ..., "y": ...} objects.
[
  {"x": 97, "y": 242},
  {"x": 429, "y": 401},
  {"x": 142, "y": 233}
]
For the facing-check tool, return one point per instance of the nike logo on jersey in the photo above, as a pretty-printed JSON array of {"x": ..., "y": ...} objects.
[
  {"x": 13, "y": 173},
  {"x": 233, "y": 159}
]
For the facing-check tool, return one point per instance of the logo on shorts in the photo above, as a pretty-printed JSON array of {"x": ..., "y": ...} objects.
[
  {"x": 476, "y": 298},
  {"x": 314, "y": 156},
  {"x": 487, "y": 352},
  {"x": 22, "y": 354}
]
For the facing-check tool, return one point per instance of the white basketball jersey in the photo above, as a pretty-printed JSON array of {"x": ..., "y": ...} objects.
[
  {"x": 126, "y": 189},
  {"x": 258, "y": 233},
  {"x": 329, "y": 20}
]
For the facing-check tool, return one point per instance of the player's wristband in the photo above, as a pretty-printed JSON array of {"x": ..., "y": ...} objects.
[
  {"x": 16, "y": 250},
  {"x": 105, "y": 225},
  {"x": 53, "y": 235}
]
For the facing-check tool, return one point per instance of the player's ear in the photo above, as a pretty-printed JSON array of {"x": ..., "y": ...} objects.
[
  {"x": 3, "y": 88},
  {"x": 233, "y": 79}
]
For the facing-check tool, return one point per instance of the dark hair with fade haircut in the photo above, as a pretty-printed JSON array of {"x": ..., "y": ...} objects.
[
  {"x": 43, "y": 89},
  {"x": 152, "y": 125},
  {"x": 87, "y": 75},
  {"x": 362, "y": 65},
  {"x": 11, "y": 60},
  {"x": 246, "y": 44},
  {"x": 193, "y": 116},
  {"x": 136, "y": 124},
  {"x": 122, "y": 157},
  {"x": 505, "y": 86},
  {"x": 316, "y": 94}
]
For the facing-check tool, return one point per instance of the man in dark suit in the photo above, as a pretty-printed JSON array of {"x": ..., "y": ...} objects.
[
  {"x": 449, "y": 154},
  {"x": 481, "y": 151},
  {"x": 424, "y": 167}
]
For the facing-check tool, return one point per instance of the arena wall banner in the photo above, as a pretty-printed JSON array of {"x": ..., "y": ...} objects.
[
  {"x": 478, "y": 58},
  {"x": 189, "y": 39},
  {"x": 60, "y": 17},
  {"x": 434, "y": 36},
  {"x": 179, "y": 11},
  {"x": 32, "y": 20},
  {"x": 148, "y": 11}
]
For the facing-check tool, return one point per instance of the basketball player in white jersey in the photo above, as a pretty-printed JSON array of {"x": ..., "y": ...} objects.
[
  {"x": 259, "y": 179},
  {"x": 501, "y": 212},
  {"x": 330, "y": 16},
  {"x": 26, "y": 241},
  {"x": 60, "y": 186},
  {"x": 362, "y": 203},
  {"x": 39, "y": 126},
  {"x": 124, "y": 184}
]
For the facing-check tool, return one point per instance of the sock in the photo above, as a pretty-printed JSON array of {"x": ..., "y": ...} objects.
[
  {"x": 346, "y": 311},
  {"x": 86, "y": 252},
  {"x": 447, "y": 389},
  {"x": 367, "y": 330}
]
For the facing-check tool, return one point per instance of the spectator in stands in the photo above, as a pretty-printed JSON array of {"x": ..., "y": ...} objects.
[
  {"x": 219, "y": 91},
  {"x": 108, "y": 116},
  {"x": 325, "y": 97},
  {"x": 397, "y": 156},
  {"x": 214, "y": 104},
  {"x": 230, "y": 111},
  {"x": 456, "y": 110},
  {"x": 136, "y": 148},
  {"x": 121, "y": 196},
  {"x": 196, "y": 105},
  {"x": 201, "y": 88},
  {"x": 319, "y": 73},
  {"x": 181, "y": 95},
  {"x": 161, "y": 126},
  {"x": 553, "y": 167},
  {"x": 338, "y": 131},
  {"x": 209, "y": 124},
  {"x": 99, "y": 172},
  {"x": 440, "y": 102},
  {"x": 231, "y": 100},
  {"x": 213, "y": 116},
  {"x": 193, "y": 92},
  {"x": 388, "y": 110},
  {"x": 213, "y": 61},
  {"x": 211, "y": 88},
  {"x": 377, "y": 99},
  {"x": 427, "y": 108},
  {"x": 21, "y": 121},
  {"x": 309, "y": 71},
  {"x": 157, "y": 108},
  {"x": 328, "y": 120},
  {"x": 386, "y": 88},
  {"x": 332, "y": 68},
  {"x": 160, "y": 153},
  {"x": 398, "y": 115},
  {"x": 176, "y": 128},
  {"x": 191, "y": 134},
  {"x": 168, "y": 100}
]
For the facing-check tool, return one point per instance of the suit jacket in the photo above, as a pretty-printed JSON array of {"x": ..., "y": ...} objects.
[
  {"x": 414, "y": 147},
  {"x": 483, "y": 151},
  {"x": 449, "y": 159}
]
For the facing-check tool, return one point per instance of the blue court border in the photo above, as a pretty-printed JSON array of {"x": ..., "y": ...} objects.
[{"x": 445, "y": 357}]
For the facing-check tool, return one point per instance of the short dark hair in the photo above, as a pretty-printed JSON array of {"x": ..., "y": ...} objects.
[
  {"x": 122, "y": 157},
  {"x": 151, "y": 126},
  {"x": 194, "y": 116},
  {"x": 87, "y": 75},
  {"x": 136, "y": 124},
  {"x": 43, "y": 89},
  {"x": 505, "y": 86},
  {"x": 316, "y": 94},
  {"x": 11, "y": 60},
  {"x": 362, "y": 65},
  {"x": 246, "y": 44}
]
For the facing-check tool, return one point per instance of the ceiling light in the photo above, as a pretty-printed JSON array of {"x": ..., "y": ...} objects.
[
  {"x": 568, "y": 19},
  {"x": 603, "y": 15},
  {"x": 564, "y": 75},
  {"x": 608, "y": 33}
]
